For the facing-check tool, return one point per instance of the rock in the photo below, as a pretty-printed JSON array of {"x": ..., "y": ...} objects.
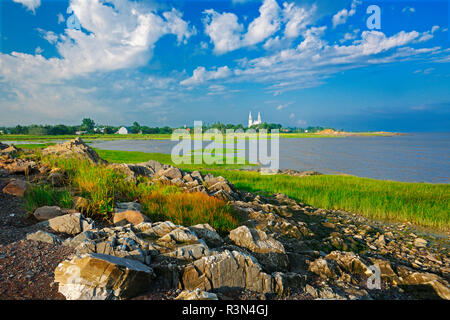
[
  {"x": 196, "y": 295},
  {"x": 171, "y": 173},
  {"x": 47, "y": 213},
  {"x": 349, "y": 262},
  {"x": 16, "y": 188},
  {"x": 208, "y": 234},
  {"x": 157, "y": 229},
  {"x": 56, "y": 179},
  {"x": 268, "y": 251},
  {"x": 420, "y": 243},
  {"x": 3, "y": 146},
  {"x": 386, "y": 271},
  {"x": 18, "y": 166},
  {"x": 190, "y": 252},
  {"x": 426, "y": 285},
  {"x": 101, "y": 277},
  {"x": 197, "y": 175},
  {"x": 74, "y": 148},
  {"x": 81, "y": 204},
  {"x": 286, "y": 283},
  {"x": 70, "y": 223},
  {"x": 9, "y": 150},
  {"x": 228, "y": 269},
  {"x": 78, "y": 239},
  {"x": 129, "y": 216},
  {"x": 125, "y": 206},
  {"x": 43, "y": 237},
  {"x": 323, "y": 269},
  {"x": 179, "y": 235}
]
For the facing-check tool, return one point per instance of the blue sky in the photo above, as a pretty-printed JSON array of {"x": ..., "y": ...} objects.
[{"x": 299, "y": 63}]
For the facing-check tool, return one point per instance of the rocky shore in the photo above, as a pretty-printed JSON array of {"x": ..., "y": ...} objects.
[{"x": 283, "y": 249}]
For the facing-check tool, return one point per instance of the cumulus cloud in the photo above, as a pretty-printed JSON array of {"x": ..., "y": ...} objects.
[
  {"x": 227, "y": 34},
  {"x": 31, "y": 5},
  {"x": 121, "y": 34},
  {"x": 342, "y": 16},
  {"x": 201, "y": 75}
]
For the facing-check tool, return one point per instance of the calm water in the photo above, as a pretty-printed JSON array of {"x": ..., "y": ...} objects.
[{"x": 421, "y": 157}]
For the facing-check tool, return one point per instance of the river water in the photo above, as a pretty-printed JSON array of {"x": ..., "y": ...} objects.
[{"x": 418, "y": 157}]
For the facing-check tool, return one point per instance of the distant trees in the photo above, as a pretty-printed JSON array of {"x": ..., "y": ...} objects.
[{"x": 87, "y": 125}]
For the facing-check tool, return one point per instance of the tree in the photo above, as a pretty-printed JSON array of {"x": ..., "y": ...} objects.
[
  {"x": 87, "y": 125},
  {"x": 135, "y": 128}
]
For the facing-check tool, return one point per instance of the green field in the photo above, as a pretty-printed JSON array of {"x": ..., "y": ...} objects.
[
  {"x": 93, "y": 137},
  {"x": 423, "y": 204}
]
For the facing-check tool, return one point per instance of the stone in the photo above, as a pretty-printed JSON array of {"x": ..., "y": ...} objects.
[
  {"x": 179, "y": 235},
  {"x": 426, "y": 285},
  {"x": 80, "y": 203},
  {"x": 196, "y": 295},
  {"x": 70, "y": 223},
  {"x": 208, "y": 234},
  {"x": 3, "y": 146},
  {"x": 267, "y": 250},
  {"x": 157, "y": 229},
  {"x": 228, "y": 269},
  {"x": 125, "y": 206},
  {"x": 190, "y": 252},
  {"x": 43, "y": 236},
  {"x": 16, "y": 188},
  {"x": 350, "y": 262},
  {"x": 171, "y": 173},
  {"x": 74, "y": 148},
  {"x": 47, "y": 212},
  {"x": 420, "y": 243},
  {"x": 323, "y": 269},
  {"x": 287, "y": 283},
  {"x": 56, "y": 179},
  {"x": 129, "y": 216},
  {"x": 101, "y": 277},
  {"x": 386, "y": 271},
  {"x": 18, "y": 166}
]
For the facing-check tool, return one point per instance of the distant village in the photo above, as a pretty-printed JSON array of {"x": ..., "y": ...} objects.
[{"x": 88, "y": 126}]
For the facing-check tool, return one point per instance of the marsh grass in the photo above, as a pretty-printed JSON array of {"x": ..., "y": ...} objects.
[
  {"x": 104, "y": 186},
  {"x": 424, "y": 204},
  {"x": 44, "y": 195}
]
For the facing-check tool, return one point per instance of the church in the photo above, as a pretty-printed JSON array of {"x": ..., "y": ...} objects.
[{"x": 251, "y": 123}]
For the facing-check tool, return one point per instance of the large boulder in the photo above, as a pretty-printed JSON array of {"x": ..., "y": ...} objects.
[
  {"x": 129, "y": 216},
  {"x": 101, "y": 277},
  {"x": 425, "y": 285},
  {"x": 74, "y": 148},
  {"x": 267, "y": 250},
  {"x": 16, "y": 188},
  {"x": 229, "y": 269},
  {"x": 70, "y": 223}
]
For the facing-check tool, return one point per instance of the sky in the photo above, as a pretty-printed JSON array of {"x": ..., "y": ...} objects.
[{"x": 299, "y": 63}]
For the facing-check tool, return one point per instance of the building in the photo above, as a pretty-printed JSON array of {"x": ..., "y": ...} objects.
[
  {"x": 251, "y": 123},
  {"x": 122, "y": 130}
]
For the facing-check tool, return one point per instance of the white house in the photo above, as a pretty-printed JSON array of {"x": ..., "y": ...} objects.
[
  {"x": 251, "y": 123},
  {"x": 122, "y": 130}
]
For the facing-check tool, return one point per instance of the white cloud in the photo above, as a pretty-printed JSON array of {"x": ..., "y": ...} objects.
[
  {"x": 31, "y": 5},
  {"x": 118, "y": 38},
  {"x": 265, "y": 25},
  {"x": 342, "y": 16},
  {"x": 227, "y": 34},
  {"x": 224, "y": 31},
  {"x": 292, "y": 116},
  {"x": 201, "y": 75}
]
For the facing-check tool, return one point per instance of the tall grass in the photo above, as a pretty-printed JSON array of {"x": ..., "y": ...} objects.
[
  {"x": 420, "y": 203},
  {"x": 104, "y": 186},
  {"x": 39, "y": 196}
]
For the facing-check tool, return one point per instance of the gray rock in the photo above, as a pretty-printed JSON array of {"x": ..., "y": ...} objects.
[
  {"x": 47, "y": 212},
  {"x": 208, "y": 234},
  {"x": 44, "y": 237}
]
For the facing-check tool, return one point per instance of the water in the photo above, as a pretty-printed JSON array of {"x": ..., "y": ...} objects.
[{"x": 421, "y": 157}]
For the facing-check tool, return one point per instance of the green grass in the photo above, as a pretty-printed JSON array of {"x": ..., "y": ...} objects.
[
  {"x": 420, "y": 203},
  {"x": 103, "y": 186},
  {"x": 114, "y": 156},
  {"x": 39, "y": 196}
]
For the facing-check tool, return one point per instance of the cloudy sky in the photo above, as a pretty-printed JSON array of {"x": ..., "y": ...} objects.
[{"x": 299, "y": 63}]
